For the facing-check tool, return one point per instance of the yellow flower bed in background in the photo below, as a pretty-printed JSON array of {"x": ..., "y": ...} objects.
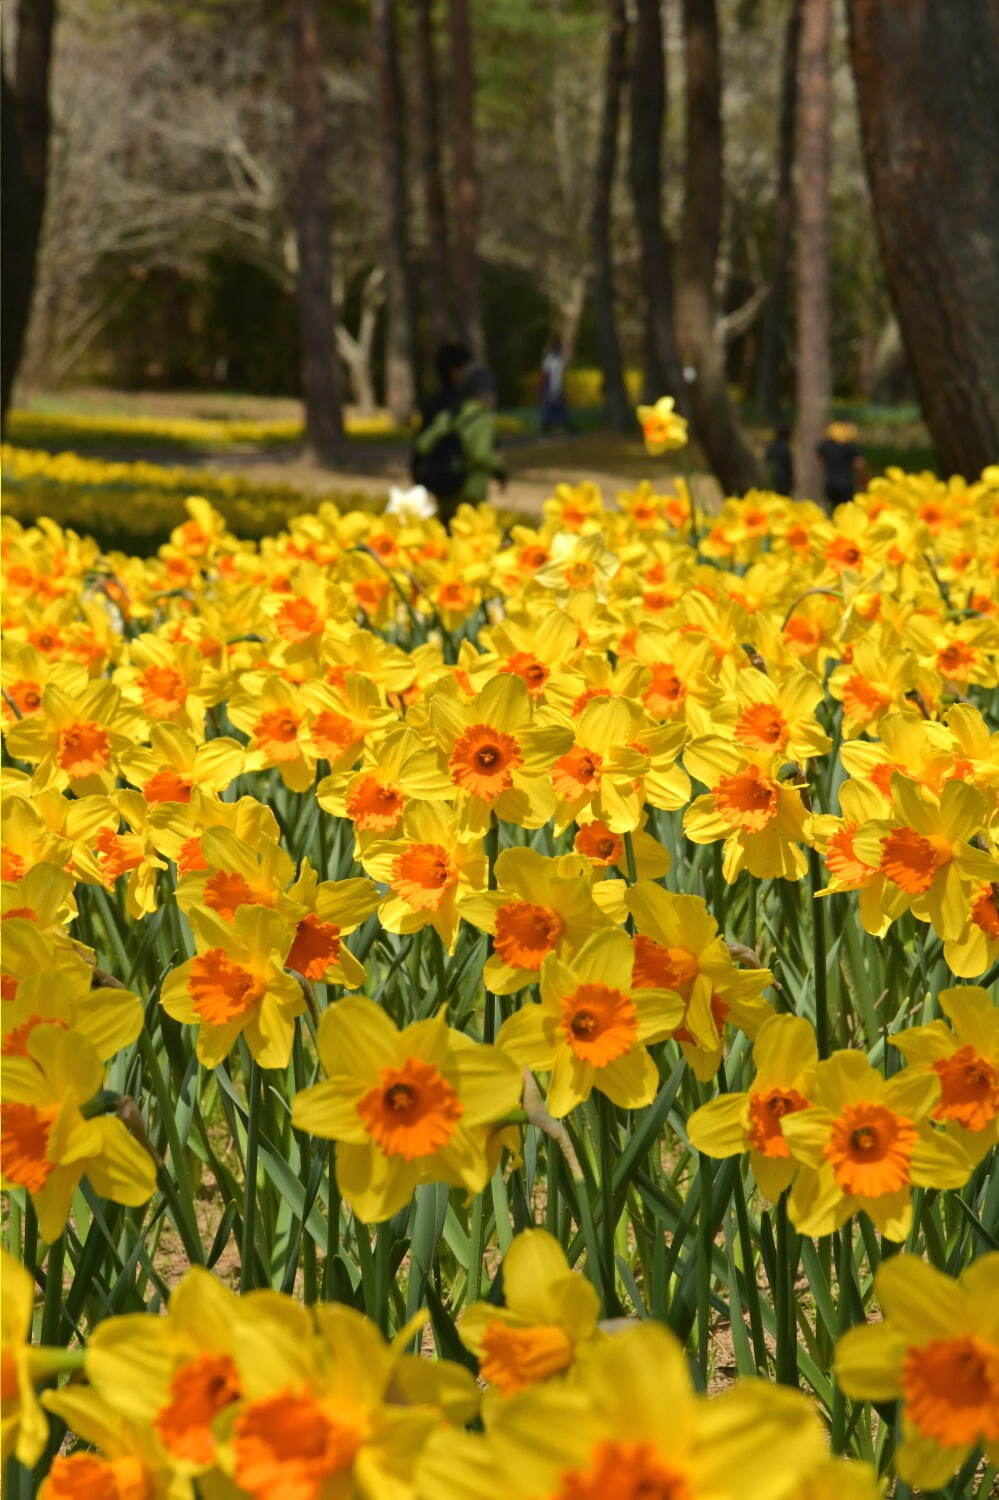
[{"x": 137, "y": 504}]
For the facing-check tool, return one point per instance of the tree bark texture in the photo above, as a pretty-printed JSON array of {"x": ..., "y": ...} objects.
[
  {"x": 927, "y": 76},
  {"x": 26, "y": 127},
  {"x": 619, "y": 415},
  {"x": 442, "y": 324},
  {"x": 466, "y": 183},
  {"x": 812, "y": 366},
  {"x": 648, "y": 105},
  {"x": 321, "y": 383},
  {"x": 775, "y": 316},
  {"x": 400, "y": 384},
  {"x": 716, "y": 421}
]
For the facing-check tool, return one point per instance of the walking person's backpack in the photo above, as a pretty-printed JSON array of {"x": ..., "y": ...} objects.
[{"x": 440, "y": 463}]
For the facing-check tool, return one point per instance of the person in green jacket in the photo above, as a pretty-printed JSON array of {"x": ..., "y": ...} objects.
[{"x": 456, "y": 454}]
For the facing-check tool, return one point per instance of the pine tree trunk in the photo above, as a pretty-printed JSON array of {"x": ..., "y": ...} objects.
[
  {"x": 775, "y": 317},
  {"x": 648, "y": 105},
  {"x": 26, "y": 126},
  {"x": 813, "y": 384},
  {"x": 321, "y": 384},
  {"x": 927, "y": 77},
  {"x": 400, "y": 385},
  {"x": 619, "y": 415},
  {"x": 442, "y": 325},
  {"x": 716, "y": 422},
  {"x": 466, "y": 182}
]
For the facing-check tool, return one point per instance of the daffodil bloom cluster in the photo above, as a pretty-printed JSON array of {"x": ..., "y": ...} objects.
[
  {"x": 443, "y": 881},
  {"x": 257, "y": 1396}
]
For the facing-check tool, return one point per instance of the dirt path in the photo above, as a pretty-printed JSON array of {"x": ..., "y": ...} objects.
[{"x": 534, "y": 468}]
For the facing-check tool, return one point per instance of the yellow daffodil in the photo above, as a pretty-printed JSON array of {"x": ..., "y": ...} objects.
[
  {"x": 662, "y": 427},
  {"x": 497, "y": 756},
  {"x": 540, "y": 906},
  {"x": 597, "y": 777},
  {"x": 175, "y": 763},
  {"x": 404, "y": 1107},
  {"x": 592, "y": 1026},
  {"x": 548, "y": 1313},
  {"x": 924, "y": 851},
  {"x": 759, "y": 814},
  {"x": 678, "y": 947},
  {"x": 785, "y": 1056},
  {"x": 864, "y": 1143},
  {"x": 428, "y": 870},
  {"x": 57, "y": 988},
  {"x": 74, "y": 742},
  {"x": 400, "y": 770},
  {"x": 631, "y": 1424},
  {"x": 274, "y": 719},
  {"x": 965, "y": 1058},
  {"x": 937, "y": 1351},
  {"x": 48, "y": 1145},
  {"x": 237, "y": 984}
]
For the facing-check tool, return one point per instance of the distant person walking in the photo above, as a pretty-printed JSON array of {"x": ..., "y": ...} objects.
[
  {"x": 780, "y": 463},
  {"x": 554, "y": 409},
  {"x": 842, "y": 464},
  {"x": 455, "y": 454}
]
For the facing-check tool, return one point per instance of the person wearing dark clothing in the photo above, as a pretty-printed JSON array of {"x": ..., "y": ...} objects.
[
  {"x": 842, "y": 463},
  {"x": 455, "y": 454},
  {"x": 780, "y": 464},
  {"x": 453, "y": 363}
]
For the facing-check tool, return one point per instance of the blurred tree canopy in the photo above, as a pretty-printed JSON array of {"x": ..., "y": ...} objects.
[{"x": 169, "y": 253}]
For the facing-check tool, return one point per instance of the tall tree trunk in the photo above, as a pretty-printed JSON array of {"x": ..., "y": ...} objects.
[
  {"x": 442, "y": 324},
  {"x": 813, "y": 382},
  {"x": 615, "y": 392},
  {"x": 648, "y": 105},
  {"x": 321, "y": 384},
  {"x": 26, "y": 123},
  {"x": 716, "y": 422},
  {"x": 466, "y": 182},
  {"x": 775, "y": 317},
  {"x": 400, "y": 385},
  {"x": 929, "y": 116}
]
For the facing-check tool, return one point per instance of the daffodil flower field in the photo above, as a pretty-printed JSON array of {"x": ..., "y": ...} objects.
[{"x": 509, "y": 1013}]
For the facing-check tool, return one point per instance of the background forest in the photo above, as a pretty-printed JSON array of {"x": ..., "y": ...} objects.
[{"x": 677, "y": 190}]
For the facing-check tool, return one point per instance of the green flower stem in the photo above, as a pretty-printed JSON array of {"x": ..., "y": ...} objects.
[
  {"x": 704, "y": 1253},
  {"x": 246, "y": 1248},
  {"x": 607, "y": 1126},
  {"x": 844, "y": 1288},
  {"x": 51, "y": 1330},
  {"x": 475, "y": 1247},
  {"x": 787, "y": 1328},
  {"x": 820, "y": 977}
]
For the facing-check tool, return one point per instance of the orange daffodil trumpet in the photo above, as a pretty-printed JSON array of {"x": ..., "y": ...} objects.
[{"x": 405, "y": 1107}]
